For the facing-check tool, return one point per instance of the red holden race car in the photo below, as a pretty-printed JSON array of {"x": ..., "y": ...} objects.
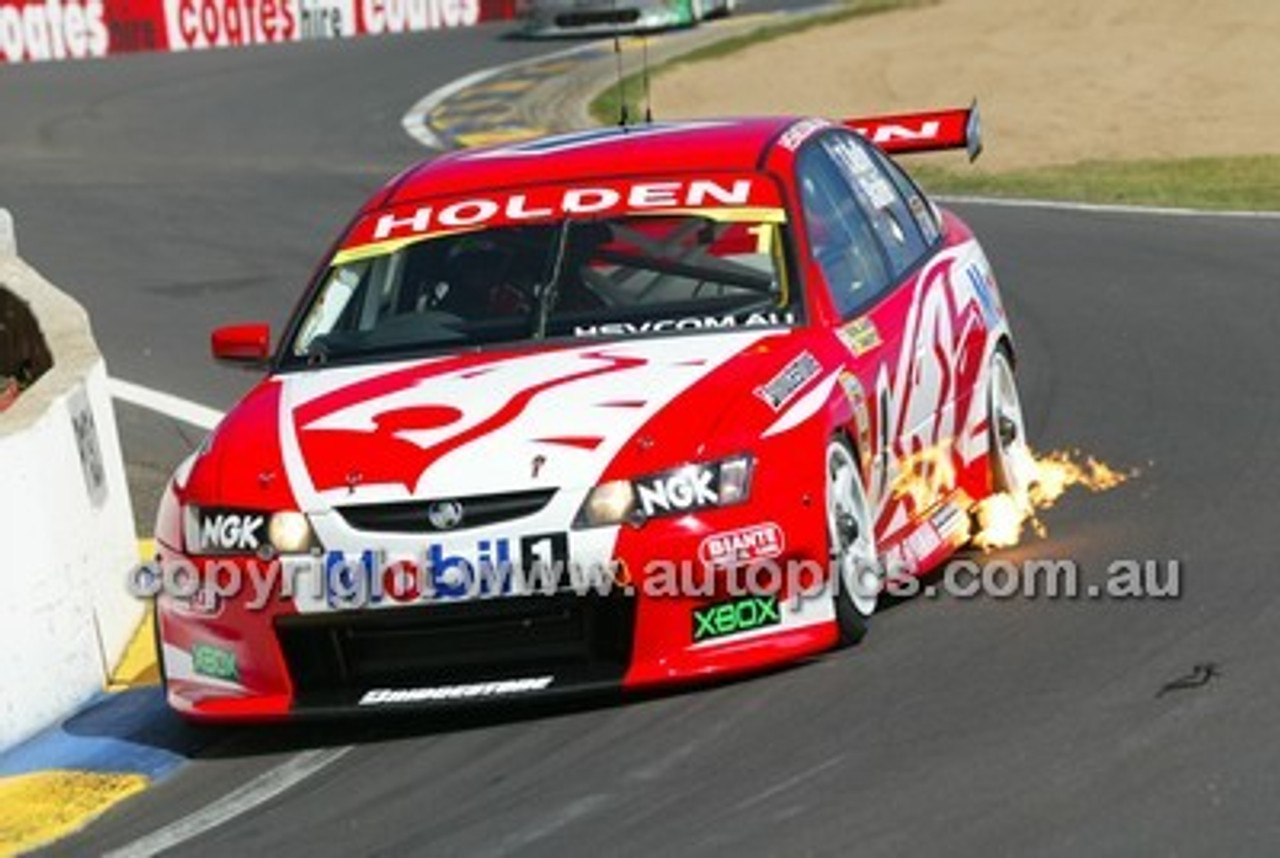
[{"x": 607, "y": 410}]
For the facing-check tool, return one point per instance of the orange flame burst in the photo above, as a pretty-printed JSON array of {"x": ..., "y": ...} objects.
[
  {"x": 1002, "y": 517},
  {"x": 923, "y": 475}
]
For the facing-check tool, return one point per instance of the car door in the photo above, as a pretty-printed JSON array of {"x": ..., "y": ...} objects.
[{"x": 873, "y": 244}]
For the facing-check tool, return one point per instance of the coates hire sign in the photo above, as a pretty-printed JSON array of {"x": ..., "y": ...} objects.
[{"x": 32, "y": 30}]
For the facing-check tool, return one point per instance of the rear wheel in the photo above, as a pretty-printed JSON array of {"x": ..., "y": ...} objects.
[
  {"x": 853, "y": 544},
  {"x": 722, "y": 10},
  {"x": 1012, "y": 465}
]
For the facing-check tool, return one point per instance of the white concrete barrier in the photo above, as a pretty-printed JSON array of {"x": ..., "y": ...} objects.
[
  {"x": 8, "y": 239},
  {"x": 66, "y": 525}
]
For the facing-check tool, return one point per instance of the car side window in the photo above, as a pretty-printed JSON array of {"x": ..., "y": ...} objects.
[
  {"x": 925, "y": 214},
  {"x": 897, "y": 228},
  {"x": 841, "y": 238}
]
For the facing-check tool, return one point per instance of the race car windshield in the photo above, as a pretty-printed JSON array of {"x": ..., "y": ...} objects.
[{"x": 629, "y": 276}]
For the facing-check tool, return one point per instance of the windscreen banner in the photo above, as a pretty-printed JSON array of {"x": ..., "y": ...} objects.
[{"x": 38, "y": 30}]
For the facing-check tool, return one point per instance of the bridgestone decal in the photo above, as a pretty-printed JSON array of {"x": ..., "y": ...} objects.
[{"x": 472, "y": 691}]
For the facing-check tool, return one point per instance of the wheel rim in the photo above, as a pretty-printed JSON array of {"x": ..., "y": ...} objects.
[
  {"x": 1013, "y": 460},
  {"x": 849, "y": 524}
]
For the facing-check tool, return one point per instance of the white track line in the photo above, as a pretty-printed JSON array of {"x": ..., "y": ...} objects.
[
  {"x": 415, "y": 121},
  {"x": 164, "y": 403},
  {"x": 265, "y": 786},
  {"x": 1101, "y": 208},
  {"x": 255, "y": 793}
]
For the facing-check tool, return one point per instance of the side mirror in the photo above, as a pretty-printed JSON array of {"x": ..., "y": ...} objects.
[{"x": 243, "y": 344}]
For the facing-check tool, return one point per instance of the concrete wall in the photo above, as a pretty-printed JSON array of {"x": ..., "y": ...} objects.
[{"x": 66, "y": 527}]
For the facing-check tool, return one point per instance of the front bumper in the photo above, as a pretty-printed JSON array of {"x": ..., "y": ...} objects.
[
  {"x": 456, "y": 652},
  {"x": 285, "y": 654}
]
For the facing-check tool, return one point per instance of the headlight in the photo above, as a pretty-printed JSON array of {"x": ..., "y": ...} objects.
[
  {"x": 220, "y": 531},
  {"x": 608, "y": 503},
  {"x": 290, "y": 533},
  {"x": 687, "y": 489},
  {"x": 734, "y": 486}
]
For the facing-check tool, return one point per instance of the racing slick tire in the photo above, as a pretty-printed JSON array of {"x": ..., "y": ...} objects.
[
  {"x": 700, "y": 12},
  {"x": 1010, "y": 457},
  {"x": 850, "y": 527}
]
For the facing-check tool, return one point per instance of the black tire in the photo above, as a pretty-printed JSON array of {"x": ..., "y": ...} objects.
[
  {"x": 1008, "y": 452},
  {"x": 851, "y": 536},
  {"x": 722, "y": 11}
]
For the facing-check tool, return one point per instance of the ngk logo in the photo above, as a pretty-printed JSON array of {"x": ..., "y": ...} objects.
[
  {"x": 679, "y": 491},
  {"x": 218, "y": 532}
]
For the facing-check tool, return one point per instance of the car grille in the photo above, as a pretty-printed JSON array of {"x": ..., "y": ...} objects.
[
  {"x": 477, "y": 511},
  {"x": 334, "y": 658}
]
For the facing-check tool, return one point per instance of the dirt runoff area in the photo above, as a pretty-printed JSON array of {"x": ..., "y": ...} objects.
[{"x": 1059, "y": 81}]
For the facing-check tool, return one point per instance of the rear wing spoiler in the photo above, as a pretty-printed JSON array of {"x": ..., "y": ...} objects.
[{"x": 899, "y": 133}]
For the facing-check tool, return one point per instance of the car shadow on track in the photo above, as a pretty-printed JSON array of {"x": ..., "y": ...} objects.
[
  {"x": 369, "y": 729},
  {"x": 151, "y": 723}
]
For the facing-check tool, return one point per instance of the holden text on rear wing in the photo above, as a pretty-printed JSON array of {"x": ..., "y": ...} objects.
[{"x": 899, "y": 133}]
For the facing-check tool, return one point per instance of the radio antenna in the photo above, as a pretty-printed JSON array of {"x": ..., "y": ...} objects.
[
  {"x": 648, "y": 99},
  {"x": 623, "y": 118}
]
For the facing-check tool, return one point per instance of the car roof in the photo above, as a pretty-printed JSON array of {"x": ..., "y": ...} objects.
[{"x": 654, "y": 149}]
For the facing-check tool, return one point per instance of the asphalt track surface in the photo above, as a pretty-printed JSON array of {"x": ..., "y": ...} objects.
[{"x": 173, "y": 193}]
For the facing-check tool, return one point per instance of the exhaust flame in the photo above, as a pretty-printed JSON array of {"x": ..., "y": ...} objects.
[
  {"x": 922, "y": 474},
  {"x": 1002, "y": 517}
]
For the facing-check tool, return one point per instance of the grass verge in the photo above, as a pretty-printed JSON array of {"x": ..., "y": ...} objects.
[
  {"x": 1242, "y": 183},
  {"x": 1239, "y": 183},
  {"x": 604, "y": 108}
]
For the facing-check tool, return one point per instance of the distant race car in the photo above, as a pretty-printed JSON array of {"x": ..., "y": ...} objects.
[
  {"x": 557, "y": 17},
  {"x": 616, "y": 409}
]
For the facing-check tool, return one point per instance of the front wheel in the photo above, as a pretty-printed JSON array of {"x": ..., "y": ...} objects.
[{"x": 850, "y": 527}]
